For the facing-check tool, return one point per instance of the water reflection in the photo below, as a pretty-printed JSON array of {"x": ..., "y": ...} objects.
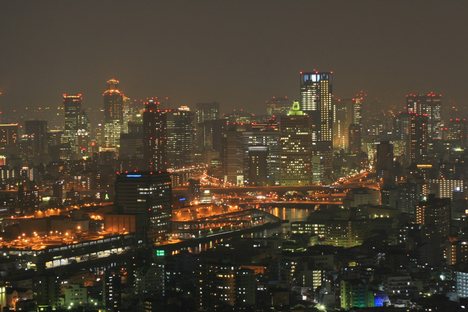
[{"x": 284, "y": 213}]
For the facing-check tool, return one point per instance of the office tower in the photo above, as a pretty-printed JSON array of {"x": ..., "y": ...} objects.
[
  {"x": 131, "y": 146},
  {"x": 233, "y": 154},
  {"x": 155, "y": 136},
  {"x": 113, "y": 102},
  {"x": 207, "y": 111},
  {"x": 207, "y": 126},
  {"x": 36, "y": 131},
  {"x": 127, "y": 114},
  {"x": 149, "y": 195},
  {"x": 435, "y": 214},
  {"x": 355, "y": 139},
  {"x": 316, "y": 102},
  {"x": 295, "y": 143},
  {"x": 277, "y": 105},
  {"x": 455, "y": 131},
  {"x": 429, "y": 105},
  {"x": 445, "y": 188},
  {"x": 262, "y": 140},
  {"x": 344, "y": 118},
  {"x": 8, "y": 138},
  {"x": 180, "y": 136},
  {"x": 113, "y": 114},
  {"x": 257, "y": 165},
  {"x": 384, "y": 163},
  {"x": 417, "y": 139},
  {"x": 72, "y": 111}
]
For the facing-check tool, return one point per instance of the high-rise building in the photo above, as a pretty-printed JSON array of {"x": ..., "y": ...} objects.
[
  {"x": 262, "y": 140},
  {"x": 316, "y": 102},
  {"x": 435, "y": 214},
  {"x": 113, "y": 113},
  {"x": 147, "y": 194},
  {"x": 257, "y": 165},
  {"x": 233, "y": 154},
  {"x": 429, "y": 105},
  {"x": 384, "y": 163},
  {"x": 155, "y": 136},
  {"x": 113, "y": 102},
  {"x": 277, "y": 105},
  {"x": 72, "y": 111},
  {"x": 180, "y": 136},
  {"x": 355, "y": 138},
  {"x": 36, "y": 131},
  {"x": 76, "y": 131},
  {"x": 207, "y": 111},
  {"x": 455, "y": 131},
  {"x": 8, "y": 137},
  {"x": 344, "y": 118},
  {"x": 207, "y": 126},
  {"x": 417, "y": 140},
  {"x": 295, "y": 143}
]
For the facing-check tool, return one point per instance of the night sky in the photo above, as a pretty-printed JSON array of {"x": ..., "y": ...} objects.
[{"x": 239, "y": 53}]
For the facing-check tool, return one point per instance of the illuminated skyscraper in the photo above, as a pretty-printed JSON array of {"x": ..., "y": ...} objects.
[
  {"x": 36, "y": 132},
  {"x": 8, "y": 138},
  {"x": 344, "y": 118},
  {"x": 113, "y": 114},
  {"x": 384, "y": 163},
  {"x": 295, "y": 143},
  {"x": 429, "y": 105},
  {"x": 207, "y": 111},
  {"x": 316, "y": 102},
  {"x": 207, "y": 115},
  {"x": 147, "y": 194},
  {"x": 155, "y": 136},
  {"x": 113, "y": 101},
  {"x": 76, "y": 131},
  {"x": 435, "y": 215},
  {"x": 417, "y": 138},
  {"x": 180, "y": 136}
]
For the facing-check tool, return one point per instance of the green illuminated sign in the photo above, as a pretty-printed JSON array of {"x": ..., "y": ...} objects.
[{"x": 160, "y": 253}]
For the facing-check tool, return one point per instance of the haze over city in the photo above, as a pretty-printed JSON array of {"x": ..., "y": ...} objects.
[
  {"x": 233, "y": 156},
  {"x": 238, "y": 53}
]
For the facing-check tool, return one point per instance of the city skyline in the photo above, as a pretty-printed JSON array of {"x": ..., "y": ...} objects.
[{"x": 233, "y": 156}]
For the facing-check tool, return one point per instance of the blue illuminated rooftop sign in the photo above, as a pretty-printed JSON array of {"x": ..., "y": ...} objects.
[{"x": 133, "y": 175}]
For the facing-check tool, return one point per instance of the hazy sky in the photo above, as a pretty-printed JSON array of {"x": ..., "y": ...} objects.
[{"x": 239, "y": 53}]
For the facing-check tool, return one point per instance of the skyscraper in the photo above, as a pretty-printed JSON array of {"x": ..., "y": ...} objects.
[
  {"x": 149, "y": 195},
  {"x": 384, "y": 162},
  {"x": 8, "y": 138},
  {"x": 206, "y": 116},
  {"x": 417, "y": 138},
  {"x": 180, "y": 136},
  {"x": 36, "y": 131},
  {"x": 207, "y": 111},
  {"x": 155, "y": 136},
  {"x": 429, "y": 105},
  {"x": 316, "y": 102},
  {"x": 295, "y": 143},
  {"x": 113, "y": 101},
  {"x": 76, "y": 132},
  {"x": 435, "y": 215},
  {"x": 113, "y": 113}
]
